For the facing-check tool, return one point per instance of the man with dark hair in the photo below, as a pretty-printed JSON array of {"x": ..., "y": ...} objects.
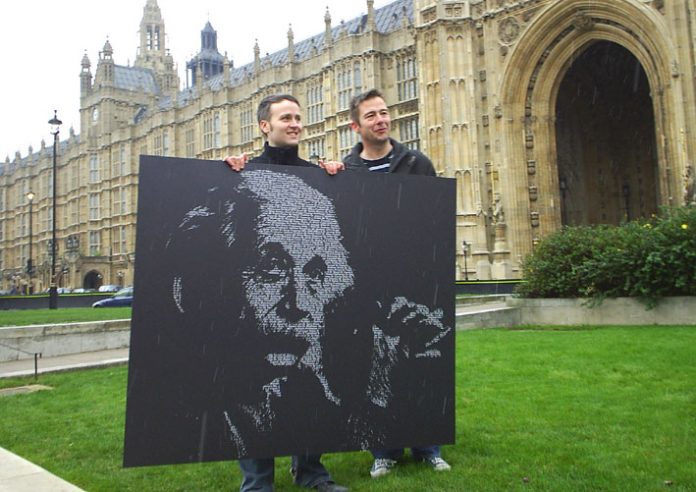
[
  {"x": 280, "y": 120},
  {"x": 378, "y": 152}
]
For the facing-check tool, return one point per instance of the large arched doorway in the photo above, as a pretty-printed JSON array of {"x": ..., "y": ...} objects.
[
  {"x": 605, "y": 138},
  {"x": 93, "y": 280}
]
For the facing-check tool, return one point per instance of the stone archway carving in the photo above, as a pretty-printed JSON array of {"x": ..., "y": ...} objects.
[{"x": 529, "y": 90}]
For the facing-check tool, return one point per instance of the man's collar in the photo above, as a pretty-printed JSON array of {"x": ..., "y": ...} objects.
[
  {"x": 389, "y": 148},
  {"x": 281, "y": 151}
]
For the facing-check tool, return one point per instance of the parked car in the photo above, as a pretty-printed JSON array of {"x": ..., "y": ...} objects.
[
  {"x": 109, "y": 288},
  {"x": 123, "y": 297},
  {"x": 83, "y": 291}
]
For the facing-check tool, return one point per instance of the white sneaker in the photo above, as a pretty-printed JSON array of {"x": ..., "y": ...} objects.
[
  {"x": 381, "y": 467},
  {"x": 438, "y": 464}
]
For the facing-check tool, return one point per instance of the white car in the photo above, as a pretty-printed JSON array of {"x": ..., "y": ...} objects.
[{"x": 109, "y": 288}]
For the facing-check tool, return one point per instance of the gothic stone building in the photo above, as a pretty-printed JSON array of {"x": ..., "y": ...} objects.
[{"x": 547, "y": 112}]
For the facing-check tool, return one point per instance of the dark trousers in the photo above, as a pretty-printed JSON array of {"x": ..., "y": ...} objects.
[{"x": 258, "y": 473}]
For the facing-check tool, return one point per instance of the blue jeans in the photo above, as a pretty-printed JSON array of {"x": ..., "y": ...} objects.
[
  {"x": 418, "y": 453},
  {"x": 258, "y": 473}
]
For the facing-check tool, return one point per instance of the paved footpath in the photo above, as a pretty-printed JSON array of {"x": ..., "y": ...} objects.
[
  {"x": 25, "y": 367},
  {"x": 18, "y": 474}
]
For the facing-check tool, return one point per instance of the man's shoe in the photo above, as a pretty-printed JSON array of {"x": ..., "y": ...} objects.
[
  {"x": 381, "y": 467},
  {"x": 331, "y": 487},
  {"x": 438, "y": 464}
]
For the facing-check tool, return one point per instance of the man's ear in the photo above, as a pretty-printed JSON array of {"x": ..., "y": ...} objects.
[
  {"x": 264, "y": 126},
  {"x": 355, "y": 126}
]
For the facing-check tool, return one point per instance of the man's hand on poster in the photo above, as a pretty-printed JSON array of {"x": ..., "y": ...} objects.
[
  {"x": 407, "y": 331},
  {"x": 237, "y": 162},
  {"x": 332, "y": 167}
]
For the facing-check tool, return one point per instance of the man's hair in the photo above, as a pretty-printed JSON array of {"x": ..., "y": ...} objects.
[
  {"x": 359, "y": 99},
  {"x": 264, "y": 111}
]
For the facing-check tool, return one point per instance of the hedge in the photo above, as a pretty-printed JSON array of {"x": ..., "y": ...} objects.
[{"x": 647, "y": 258}]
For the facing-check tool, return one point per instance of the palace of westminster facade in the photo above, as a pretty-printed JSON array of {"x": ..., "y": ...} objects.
[{"x": 547, "y": 112}]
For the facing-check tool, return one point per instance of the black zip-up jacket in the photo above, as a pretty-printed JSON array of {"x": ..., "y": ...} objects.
[
  {"x": 405, "y": 160},
  {"x": 284, "y": 156}
]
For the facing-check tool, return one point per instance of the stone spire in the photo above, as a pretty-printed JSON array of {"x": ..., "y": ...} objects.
[
  {"x": 85, "y": 76},
  {"x": 226, "y": 67},
  {"x": 257, "y": 57},
  {"x": 371, "y": 15},
  {"x": 291, "y": 45},
  {"x": 328, "y": 37}
]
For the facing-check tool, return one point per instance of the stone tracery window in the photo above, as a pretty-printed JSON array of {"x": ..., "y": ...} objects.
[{"x": 407, "y": 77}]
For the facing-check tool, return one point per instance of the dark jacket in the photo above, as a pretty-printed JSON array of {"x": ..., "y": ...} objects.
[
  {"x": 405, "y": 160},
  {"x": 284, "y": 156}
]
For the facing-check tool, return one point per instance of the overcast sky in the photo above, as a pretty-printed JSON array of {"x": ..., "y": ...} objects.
[{"x": 43, "y": 43}]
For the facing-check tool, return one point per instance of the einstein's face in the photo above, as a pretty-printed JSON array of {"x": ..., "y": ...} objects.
[
  {"x": 301, "y": 267},
  {"x": 287, "y": 290}
]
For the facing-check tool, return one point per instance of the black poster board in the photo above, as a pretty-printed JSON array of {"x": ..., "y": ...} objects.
[{"x": 283, "y": 311}]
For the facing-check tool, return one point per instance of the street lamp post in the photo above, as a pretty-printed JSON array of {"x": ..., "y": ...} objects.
[
  {"x": 53, "y": 290},
  {"x": 30, "y": 261},
  {"x": 465, "y": 252}
]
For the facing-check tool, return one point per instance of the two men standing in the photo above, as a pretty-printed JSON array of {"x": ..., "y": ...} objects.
[{"x": 280, "y": 121}]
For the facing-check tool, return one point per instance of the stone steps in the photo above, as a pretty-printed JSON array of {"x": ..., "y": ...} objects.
[{"x": 489, "y": 311}]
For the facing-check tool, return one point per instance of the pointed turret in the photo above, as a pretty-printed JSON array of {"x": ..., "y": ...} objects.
[
  {"x": 209, "y": 37},
  {"x": 152, "y": 37},
  {"x": 370, "y": 15},
  {"x": 105, "y": 66},
  {"x": 257, "y": 57},
  {"x": 328, "y": 37},
  {"x": 153, "y": 52},
  {"x": 85, "y": 77},
  {"x": 208, "y": 62},
  {"x": 226, "y": 67},
  {"x": 291, "y": 45},
  {"x": 108, "y": 51}
]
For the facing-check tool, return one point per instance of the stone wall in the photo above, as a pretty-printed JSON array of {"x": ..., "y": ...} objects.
[
  {"x": 621, "y": 311},
  {"x": 22, "y": 342}
]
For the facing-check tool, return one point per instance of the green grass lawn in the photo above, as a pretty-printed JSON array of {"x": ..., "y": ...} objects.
[
  {"x": 590, "y": 409},
  {"x": 23, "y": 317}
]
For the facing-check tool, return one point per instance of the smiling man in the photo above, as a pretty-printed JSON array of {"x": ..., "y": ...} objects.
[
  {"x": 377, "y": 151},
  {"x": 280, "y": 120}
]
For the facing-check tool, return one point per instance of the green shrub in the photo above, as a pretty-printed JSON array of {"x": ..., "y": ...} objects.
[{"x": 647, "y": 258}]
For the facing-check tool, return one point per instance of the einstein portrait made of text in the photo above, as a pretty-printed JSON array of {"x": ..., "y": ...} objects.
[{"x": 286, "y": 311}]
